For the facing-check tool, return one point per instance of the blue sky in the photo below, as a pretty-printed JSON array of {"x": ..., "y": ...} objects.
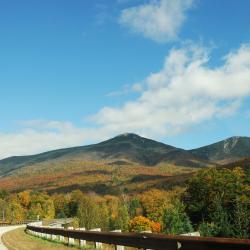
[{"x": 77, "y": 72}]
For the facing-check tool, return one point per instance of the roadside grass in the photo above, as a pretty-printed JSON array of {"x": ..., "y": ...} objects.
[{"x": 19, "y": 240}]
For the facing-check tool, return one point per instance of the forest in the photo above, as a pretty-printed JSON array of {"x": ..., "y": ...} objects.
[{"x": 214, "y": 201}]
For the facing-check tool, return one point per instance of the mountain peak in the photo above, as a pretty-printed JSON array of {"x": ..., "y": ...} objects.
[
  {"x": 134, "y": 148},
  {"x": 128, "y": 135}
]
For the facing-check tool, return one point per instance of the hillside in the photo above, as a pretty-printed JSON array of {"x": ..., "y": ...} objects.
[
  {"x": 229, "y": 150},
  {"x": 244, "y": 164},
  {"x": 126, "y": 163},
  {"x": 120, "y": 150}
]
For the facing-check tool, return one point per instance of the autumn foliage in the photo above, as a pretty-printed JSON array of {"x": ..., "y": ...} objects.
[
  {"x": 215, "y": 201},
  {"x": 141, "y": 223}
]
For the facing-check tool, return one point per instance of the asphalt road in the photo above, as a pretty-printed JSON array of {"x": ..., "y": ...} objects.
[{"x": 4, "y": 230}]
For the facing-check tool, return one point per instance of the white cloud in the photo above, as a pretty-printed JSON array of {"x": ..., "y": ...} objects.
[
  {"x": 137, "y": 87},
  {"x": 38, "y": 136},
  {"x": 159, "y": 20},
  {"x": 127, "y": 89},
  {"x": 184, "y": 93}
]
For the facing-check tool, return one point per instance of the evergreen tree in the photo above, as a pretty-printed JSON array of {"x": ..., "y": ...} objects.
[{"x": 175, "y": 220}]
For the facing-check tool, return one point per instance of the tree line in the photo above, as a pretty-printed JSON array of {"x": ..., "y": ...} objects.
[{"x": 216, "y": 202}]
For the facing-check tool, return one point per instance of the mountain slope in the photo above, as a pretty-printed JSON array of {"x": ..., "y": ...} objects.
[
  {"x": 16, "y": 162},
  {"x": 122, "y": 149},
  {"x": 229, "y": 150},
  {"x": 133, "y": 149},
  {"x": 243, "y": 163},
  {"x": 126, "y": 163}
]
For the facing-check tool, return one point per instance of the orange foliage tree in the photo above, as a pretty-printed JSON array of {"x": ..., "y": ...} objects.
[{"x": 141, "y": 223}]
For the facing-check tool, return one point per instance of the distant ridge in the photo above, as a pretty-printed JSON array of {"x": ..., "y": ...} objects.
[
  {"x": 229, "y": 150},
  {"x": 130, "y": 148}
]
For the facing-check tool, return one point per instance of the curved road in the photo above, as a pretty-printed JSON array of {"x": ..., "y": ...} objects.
[{"x": 4, "y": 230}]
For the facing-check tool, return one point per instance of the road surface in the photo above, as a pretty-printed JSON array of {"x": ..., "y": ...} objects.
[{"x": 4, "y": 230}]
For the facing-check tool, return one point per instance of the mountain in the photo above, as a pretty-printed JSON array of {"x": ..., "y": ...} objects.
[
  {"x": 133, "y": 149},
  {"x": 226, "y": 151},
  {"x": 126, "y": 163},
  {"x": 123, "y": 149}
]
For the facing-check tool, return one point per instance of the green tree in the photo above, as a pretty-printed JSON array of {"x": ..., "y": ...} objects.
[
  {"x": 76, "y": 197},
  {"x": 15, "y": 212},
  {"x": 208, "y": 184},
  {"x": 241, "y": 219},
  {"x": 135, "y": 208},
  {"x": 175, "y": 220},
  {"x": 3, "y": 194},
  {"x": 219, "y": 201},
  {"x": 221, "y": 218},
  {"x": 61, "y": 204},
  {"x": 208, "y": 229},
  {"x": 3, "y": 209},
  {"x": 41, "y": 205},
  {"x": 102, "y": 216},
  {"x": 121, "y": 220},
  {"x": 87, "y": 213}
]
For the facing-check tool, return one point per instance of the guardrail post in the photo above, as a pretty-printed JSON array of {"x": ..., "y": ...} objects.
[
  {"x": 83, "y": 243},
  {"x": 149, "y": 232},
  {"x": 48, "y": 236},
  {"x": 43, "y": 235},
  {"x": 197, "y": 234},
  {"x": 71, "y": 240},
  {"x": 61, "y": 238},
  {"x": 54, "y": 237},
  {"x": 97, "y": 244},
  {"x": 118, "y": 247}
]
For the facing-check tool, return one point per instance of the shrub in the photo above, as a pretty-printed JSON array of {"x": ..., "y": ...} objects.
[
  {"x": 155, "y": 227},
  {"x": 207, "y": 229},
  {"x": 141, "y": 223}
]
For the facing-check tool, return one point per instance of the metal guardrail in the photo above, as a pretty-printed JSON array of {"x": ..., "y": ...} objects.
[{"x": 149, "y": 240}]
